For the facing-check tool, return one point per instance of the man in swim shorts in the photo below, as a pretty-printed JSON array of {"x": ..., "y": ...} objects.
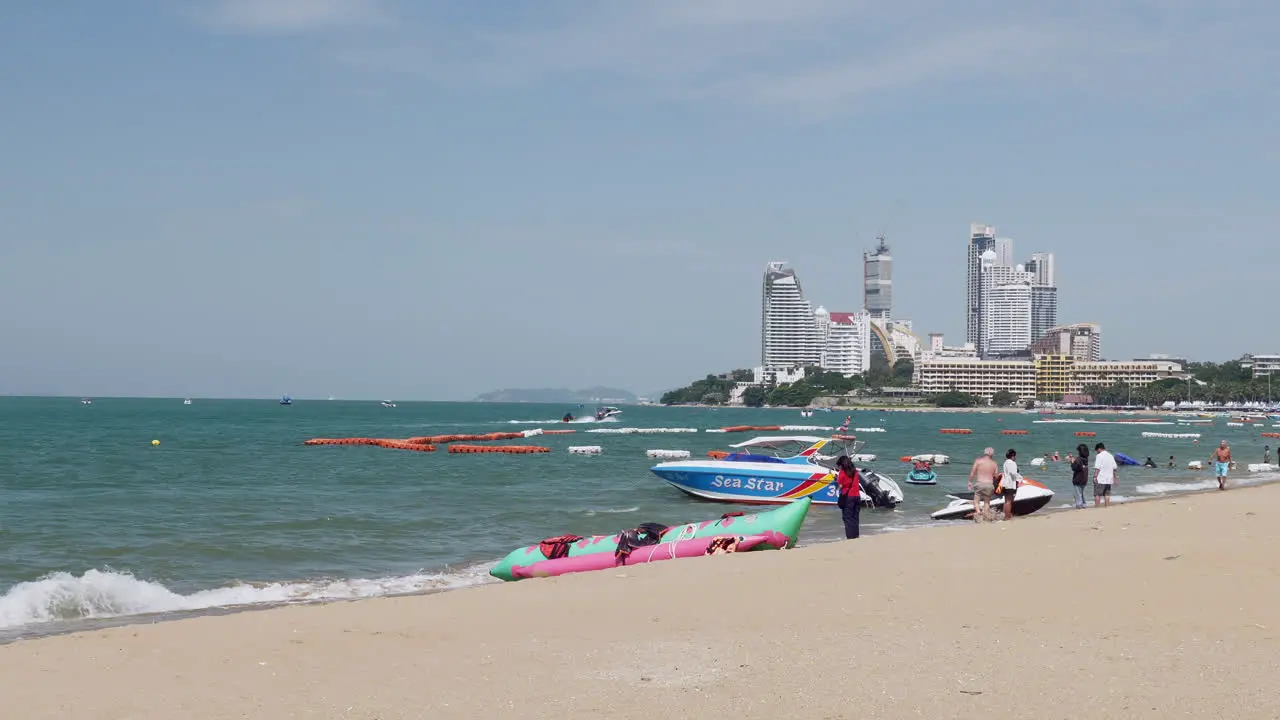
[
  {"x": 1221, "y": 458},
  {"x": 982, "y": 481}
]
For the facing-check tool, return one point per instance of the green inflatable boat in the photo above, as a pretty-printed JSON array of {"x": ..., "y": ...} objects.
[{"x": 786, "y": 520}]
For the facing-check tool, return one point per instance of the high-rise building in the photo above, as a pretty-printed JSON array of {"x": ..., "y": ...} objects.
[
  {"x": 982, "y": 238},
  {"x": 1004, "y": 309},
  {"x": 846, "y": 342},
  {"x": 1004, "y": 251},
  {"x": 1044, "y": 294},
  {"x": 877, "y": 278},
  {"x": 789, "y": 333}
]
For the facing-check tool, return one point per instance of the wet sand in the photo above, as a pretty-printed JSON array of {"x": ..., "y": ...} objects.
[{"x": 1157, "y": 609}]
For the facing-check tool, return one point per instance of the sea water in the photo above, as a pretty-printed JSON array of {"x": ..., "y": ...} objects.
[{"x": 231, "y": 510}]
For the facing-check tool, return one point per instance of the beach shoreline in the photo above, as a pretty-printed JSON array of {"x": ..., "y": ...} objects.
[{"x": 749, "y": 633}]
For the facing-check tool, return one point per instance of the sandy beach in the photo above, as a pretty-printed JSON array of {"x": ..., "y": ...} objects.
[{"x": 1155, "y": 609}]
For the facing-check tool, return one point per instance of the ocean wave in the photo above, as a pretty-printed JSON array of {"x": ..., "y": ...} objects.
[
  {"x": 100, "y": 594},
  {"x": 612, "y": 511},
  {"x": 1165, "y": 488},
  {"x": 561, "y": 421}
]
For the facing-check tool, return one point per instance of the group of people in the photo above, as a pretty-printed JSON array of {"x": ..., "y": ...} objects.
[{"x": 986, "y": 480}]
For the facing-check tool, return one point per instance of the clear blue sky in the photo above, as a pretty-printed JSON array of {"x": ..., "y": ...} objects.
[{"x": 387, "y": 198}]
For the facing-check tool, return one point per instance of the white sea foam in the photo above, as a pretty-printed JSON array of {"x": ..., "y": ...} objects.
[
  {"x": 612, "y": 511},
  {"x": 1166, "y": 488},
  {"x": 642, "y": 431},
  {"x": 108, "y": 594},
  {"x": 560, "y": 421}
]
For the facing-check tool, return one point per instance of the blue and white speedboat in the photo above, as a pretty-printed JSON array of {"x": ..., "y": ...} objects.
[{"x": 762, "y": 472}]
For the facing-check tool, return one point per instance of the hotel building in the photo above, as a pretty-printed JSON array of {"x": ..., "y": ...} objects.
[
  {"x": 982, "y": 378},
  {"x": 1005, "y": 308},
  {"x": 846, "y": 341},
  {"x": 982, "y": 237},
  {"x": 1046, "y": 377},
  {"x": 1082, "y": 341},
  {"x": 789, "y": 334}
]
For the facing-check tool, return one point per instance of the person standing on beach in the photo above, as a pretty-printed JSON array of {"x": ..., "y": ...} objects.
[
  {"x": 982, "y": 481},
  {"x": 849, "y": 483},
  {"x": 1266, "y": 454},
  {"x": 1079, "y": 473},
  {"x": 1010, "y": 481},
  {"x": 1221, "y": 458},
  {"x": 1104, "y": 475}
]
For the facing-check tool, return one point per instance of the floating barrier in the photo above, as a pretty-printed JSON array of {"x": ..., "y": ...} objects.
[
  {"x": 1235, "y": 424},
  {"x": 717, "y": 454},
  {"x": 446, "y": 439},
  {"x": 668, "y": 454},
  {"x": 1195, "y": 465},
  {"x": 1171, "y": 436},
  {"x": 1261, "y": 467},
  {"x": 935, "y": 458},
  {"x": 803, "y": 428},
  {"x": 1014, "y": 432},
  {"x": 376, "y": 442},
  {"x": 863, "y": 457},
  {"x": 1037, "y": 462},
  {"x": 752, "y": 428},
  {"x": 641, "y": 431},
  {"x": 1271, "y": 435},
  {"x": 585, "y": 449},
  {"x": 510, "y": 449},
  {"x": 956, "y": 431},
  {"x": 558, "y": 432},
  {"x": 1086, "y": 433},
  {"x": 871, "y": 429}
]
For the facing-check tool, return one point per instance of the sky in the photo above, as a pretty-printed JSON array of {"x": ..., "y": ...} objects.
[{"x": 428, "y": 200}]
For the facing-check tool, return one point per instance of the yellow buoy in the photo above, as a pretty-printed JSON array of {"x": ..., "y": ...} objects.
[{"x": 155, "y": 442}]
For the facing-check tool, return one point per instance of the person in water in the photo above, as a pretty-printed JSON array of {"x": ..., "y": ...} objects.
[
  {"x": 1009, "y": 481},
  {"x": 1266, "y": 454},
  {"x": 1170, "y": 462},
  {"x": 982, "y": 481},
  {"x": 568, "y": 417},
  {"x": 1149, "y": 463},
  {"x": 849, "y": 483},
  {"x": 1079, "y": 474},
  {"x": 1221, "y": 459}
]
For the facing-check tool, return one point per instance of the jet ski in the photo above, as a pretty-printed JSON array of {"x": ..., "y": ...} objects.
[
  {"x": 1031, "y": 496},
  {"x": 922, "y": 476}
]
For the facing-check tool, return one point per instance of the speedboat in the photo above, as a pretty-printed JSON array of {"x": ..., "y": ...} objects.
[
  {"x": 388, "y": 404},
  {"x": 607, "y": 411},
  {"x": 186, "y": 401},
  {"x": 286, "y": 400},
  {"x": 774, "y": 470},
  {"x": 1031, "y": 496},
  {"x": 922, "y": 476}
]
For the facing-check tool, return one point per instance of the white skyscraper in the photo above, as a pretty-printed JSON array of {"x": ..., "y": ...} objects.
[
  {"x": 877, "y": 278},
  {"x": 1004, "y": 251},
  {"x": 1004, "y": 317},
  {"x": 790, "y": 334},
  {"x": 847, "y": 342},
  {"x": 982, "y": 238}
]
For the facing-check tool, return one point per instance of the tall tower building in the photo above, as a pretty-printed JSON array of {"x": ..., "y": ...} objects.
[
  {"x": 789, "y": 331},
  {"x": 982, "y": 238},
  {"x": 1004, "y": 308},
  {"x": 1004, "y": 251},
  {"x": 1044, "y": 294},
  {"x": 877, "y": 278}
]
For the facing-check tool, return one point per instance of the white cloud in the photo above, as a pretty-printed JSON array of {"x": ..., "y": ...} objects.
[{"x": 285, "y": 16}]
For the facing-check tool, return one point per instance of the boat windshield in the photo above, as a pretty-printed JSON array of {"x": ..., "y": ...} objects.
[{"x": 749, "y": 457}]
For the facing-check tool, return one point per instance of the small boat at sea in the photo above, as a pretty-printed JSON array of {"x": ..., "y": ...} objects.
[
  {"x": 286, "y": 400},
  {"x": 187, "y": 401},
  {"x": 772, "y": 470},
  {"x": 1031, "y": 496},
  {"x": 654, "y": 542},
  {"x": 388, "y": 404},
  {"x": 607, "y": 411}
]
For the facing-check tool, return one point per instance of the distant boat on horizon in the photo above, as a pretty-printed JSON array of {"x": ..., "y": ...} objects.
[
  {"x": 186, "y": 401},
  {"x": 286, "y": 400}
]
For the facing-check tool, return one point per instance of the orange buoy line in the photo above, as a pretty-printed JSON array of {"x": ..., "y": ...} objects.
[
  {"x": 717, "y": 454},
  {"x": 558, "y": 432},
  {"x": 1271, "y": 434},
  {"x": 956, "y": 431},
  {"x": 844, "y": 437},
  {"x": 752, "y": 428},
  {"x": 446, "y": 439},
  {"x": 377, "y": 442},
  {"x": 510, "y": 449},
  {"x": 1013, "y": 432},
  {"x": 1085, "y": 433}
]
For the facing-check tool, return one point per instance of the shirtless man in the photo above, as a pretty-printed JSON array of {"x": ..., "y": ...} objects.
[
  {"x": 1221, "y": 459},
  {"x": 982, "y": 481}
]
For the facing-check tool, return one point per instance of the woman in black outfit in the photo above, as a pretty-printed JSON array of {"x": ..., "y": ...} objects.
[{"x": 1080, "y": 473}]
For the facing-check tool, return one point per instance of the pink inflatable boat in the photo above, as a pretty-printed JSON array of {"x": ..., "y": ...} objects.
[{"x": 693, "y": 547}]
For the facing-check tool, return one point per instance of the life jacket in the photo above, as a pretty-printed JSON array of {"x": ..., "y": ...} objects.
[
  {"x": 641, "y": 536},
  {"x": 557, "y": 547}
]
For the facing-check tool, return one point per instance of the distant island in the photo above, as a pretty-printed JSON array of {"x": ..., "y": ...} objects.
[{"x": 559, "y": 395}]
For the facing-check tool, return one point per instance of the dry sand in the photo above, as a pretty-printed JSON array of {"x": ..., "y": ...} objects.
[{"x": 1169, "y": 608}]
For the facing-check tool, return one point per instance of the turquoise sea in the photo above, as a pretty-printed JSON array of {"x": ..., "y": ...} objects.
[{"x": 231, "y": 510}]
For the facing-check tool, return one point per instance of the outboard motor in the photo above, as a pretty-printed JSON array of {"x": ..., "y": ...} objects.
[{"x": 871, "y": 486}]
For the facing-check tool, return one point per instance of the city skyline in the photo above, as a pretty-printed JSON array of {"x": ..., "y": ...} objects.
[{"x": 386, "y": 199}]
